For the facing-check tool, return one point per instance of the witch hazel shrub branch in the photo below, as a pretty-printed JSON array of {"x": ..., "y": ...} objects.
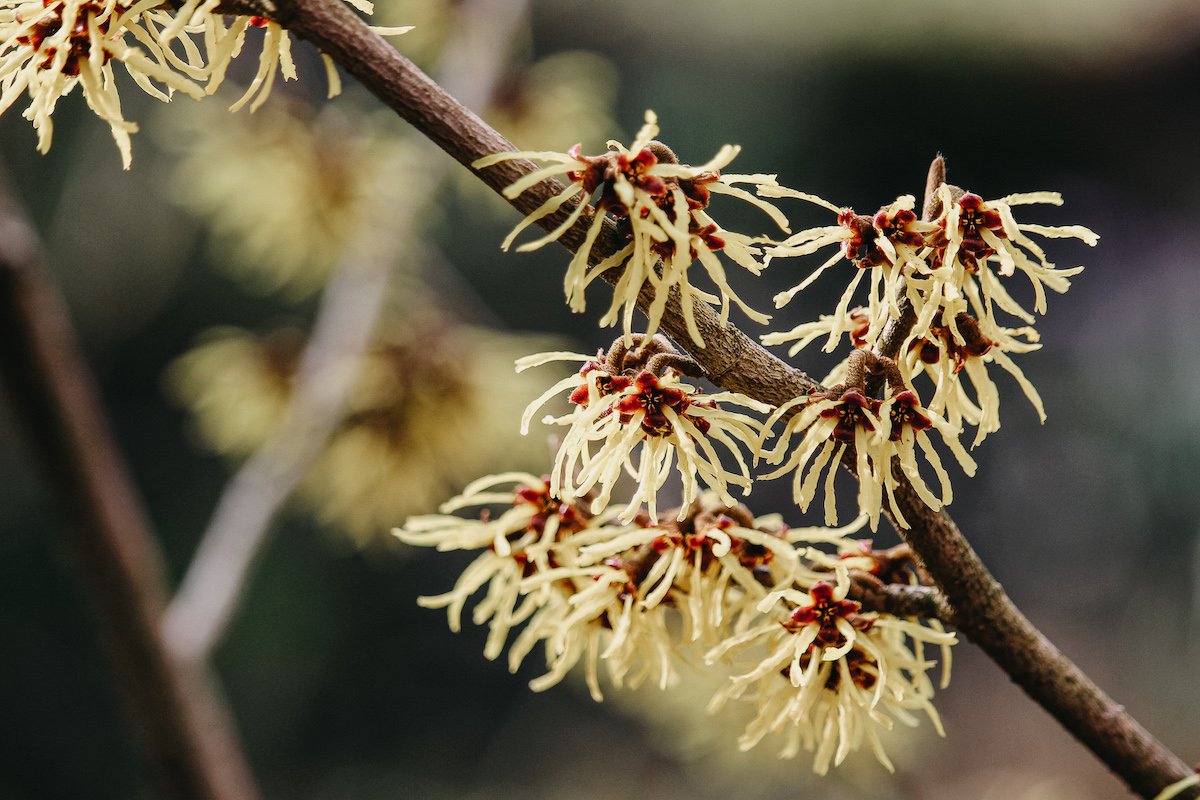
[
  {"x": 927, "y": 312},
  {"x": 592, "y": 574}
]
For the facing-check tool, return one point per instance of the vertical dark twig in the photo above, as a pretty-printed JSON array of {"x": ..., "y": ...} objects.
[{"x": 177, "y": 709}]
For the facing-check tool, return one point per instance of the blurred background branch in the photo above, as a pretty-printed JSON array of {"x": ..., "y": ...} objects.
[
  {"x": 208, "y": 596},
  {"x": 176, "y": 706}
]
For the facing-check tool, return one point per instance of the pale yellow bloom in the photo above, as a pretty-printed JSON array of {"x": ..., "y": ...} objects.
[
  {"x": 525, "y": 540},
  {"x": 824, "y": 674},
  {"x": 670, "y": 421},
  {"x": 49, "y": 48},
  {"x": 888, "y": 247},
  {"x": 879, "y": 431},
  {"x": 831, "y": 676},
  {"x": 981, "y": 237},
  {"x": 946, "y": 352},
  {"x": 659, "y": 206}
]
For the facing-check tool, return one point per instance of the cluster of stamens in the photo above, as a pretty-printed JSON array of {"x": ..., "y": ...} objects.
[{"x": 79, "y": 43}]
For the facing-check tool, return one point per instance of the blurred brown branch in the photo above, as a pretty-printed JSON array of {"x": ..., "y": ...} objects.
[
  {"x": 210, "y": 591},
  {"x": 176, "y": 707},
  {"x": 208, "y": 596},
  {"x": 734, "y": 361}
]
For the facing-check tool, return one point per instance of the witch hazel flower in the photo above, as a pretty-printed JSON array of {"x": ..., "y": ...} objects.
[
  {"x": 619, "y": 615},
  {"x": 980, "y": 240},
  {"x": 592, "y": 593},
  {"x": 633, "y": 399},
  {"x": 593, "y": 616},
  {"x": 829, "y": 424},
  {"x": 51, "y": 46},
  {"x": 906, "y": 427},
  {"x": 822, "y": 626},
  {"x": 529, "y": 538},
  {"x": 946, "y": 350},
  {"x": 48, "y": 47},
  {"x": 711, "y": 566},
  {"x": 846, "y": 416},
  {"x": 888, "y": 245},
  {"x": 612, "y": 602},
  {"x": 831, "y": 676},
  {"x": 660, "y": 210},
  {"x": 227, "y": 39},
  {"x": 840, "y": 705},
  {"x": 535, "y": 578}
]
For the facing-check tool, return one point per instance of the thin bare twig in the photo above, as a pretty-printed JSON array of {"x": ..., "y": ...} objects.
[
  {"x": 903, "y": 601},
  {"x": 211, "y": 589},
  {"x": 984, "y": 613},
  {"x": 176, "y": 707}
]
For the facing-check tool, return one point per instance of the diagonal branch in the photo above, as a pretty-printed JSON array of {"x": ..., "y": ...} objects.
[
  {"x": 984, "y": 613},
  {"x": 177, "y": 707}
]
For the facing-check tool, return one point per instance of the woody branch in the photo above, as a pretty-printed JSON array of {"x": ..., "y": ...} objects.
[{"x": 982, "y": 611}]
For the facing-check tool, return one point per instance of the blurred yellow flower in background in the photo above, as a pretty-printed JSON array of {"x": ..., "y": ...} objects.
[
  {"x": 435, "y": 404},
  {"x": 286, "y": 188},
  {"x": 236, "y": 386},
  {"x": 560, "y": 100}
]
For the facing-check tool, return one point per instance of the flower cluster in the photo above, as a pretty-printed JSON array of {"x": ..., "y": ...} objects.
[
  {"x": 936, "y": 287},
  {"x": 937, "y": 304},
  {"x": 591, "y": 589},
  {"x": 631, "y": 397},
  {"x": 48, "y": 47},
  {"x": 660, "y": 210},
  {"x": 845, "y": 416},
  {"x": 776, "y": 604}
]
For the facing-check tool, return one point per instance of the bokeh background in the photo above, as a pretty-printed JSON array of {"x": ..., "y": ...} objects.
[{"x": 193, "y": 281}]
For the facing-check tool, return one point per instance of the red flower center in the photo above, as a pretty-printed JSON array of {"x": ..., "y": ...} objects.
[
  {"x": 825, "y": 611},
  {"x": 651, "y": 399}
]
